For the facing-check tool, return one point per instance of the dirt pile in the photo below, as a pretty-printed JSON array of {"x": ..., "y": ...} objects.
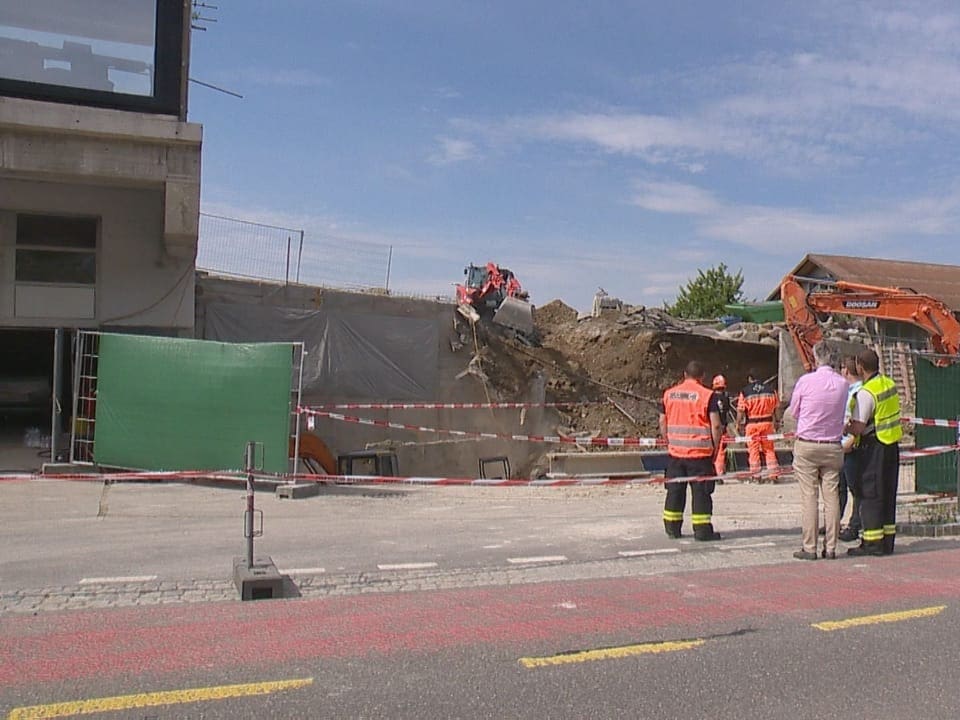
[{"x": 623, "y": 359}]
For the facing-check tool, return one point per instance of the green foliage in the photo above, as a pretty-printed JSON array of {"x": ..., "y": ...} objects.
[{"x": 705, "y": 295}]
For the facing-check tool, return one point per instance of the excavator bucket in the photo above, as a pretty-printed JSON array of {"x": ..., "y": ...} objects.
[{"x": 515, "y": 314}]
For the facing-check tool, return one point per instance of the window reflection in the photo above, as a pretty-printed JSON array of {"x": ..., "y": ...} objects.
[{"x": 105, "y": 45}]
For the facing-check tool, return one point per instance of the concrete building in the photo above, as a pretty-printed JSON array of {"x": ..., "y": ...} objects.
[{"x": 99, "y": 190}]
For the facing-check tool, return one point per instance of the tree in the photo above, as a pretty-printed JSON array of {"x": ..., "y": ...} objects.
[{"x": 705, "y": 295}]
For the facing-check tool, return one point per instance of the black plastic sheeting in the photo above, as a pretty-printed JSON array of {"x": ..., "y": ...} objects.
[{"x": 362, "y": 356}]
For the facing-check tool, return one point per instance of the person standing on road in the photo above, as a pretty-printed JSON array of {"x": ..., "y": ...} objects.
[
  {"x": 758, "y": 409},
  {"x": 818, "y": 403},
  {"x": 851, "y": 453},
  {"x": 876, "y": 419},
  {"x": 725, "y": 405},
  {"x": 690, "y": 423}
]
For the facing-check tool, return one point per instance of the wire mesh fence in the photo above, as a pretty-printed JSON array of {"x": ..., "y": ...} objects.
[{"x": 240, "y": 248}]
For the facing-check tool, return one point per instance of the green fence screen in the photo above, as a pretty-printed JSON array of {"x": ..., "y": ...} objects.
[
  {"x": 938, "y": 396},
  {"x": 175, "y": 404}
]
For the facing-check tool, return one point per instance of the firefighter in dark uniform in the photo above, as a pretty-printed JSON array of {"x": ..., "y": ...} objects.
[
  {"x": 876, "y": 419},
  {"x": 690, "y": 423}
]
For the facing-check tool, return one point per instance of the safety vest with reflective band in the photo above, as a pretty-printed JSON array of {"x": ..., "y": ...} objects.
[
  {"x": 758, "y": 402},
  {"x": 688, "y": 420},
  {"x": 886, "y": 408}
]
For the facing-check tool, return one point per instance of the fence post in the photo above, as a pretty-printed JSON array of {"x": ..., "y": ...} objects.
[
  {"x": 956, "y": 454},
  {"x": 389, "y": 263},
  {"x": 299, "y": 256}
]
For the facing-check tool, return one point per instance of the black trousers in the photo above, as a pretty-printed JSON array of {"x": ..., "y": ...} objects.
[
  {"x": 878, "y": 480},
  {"x": 849, "y": 480},
  {"x": 701, "y": 492}
]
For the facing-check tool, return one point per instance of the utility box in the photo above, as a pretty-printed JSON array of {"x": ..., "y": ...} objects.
[{"x": 260, "y": 582}]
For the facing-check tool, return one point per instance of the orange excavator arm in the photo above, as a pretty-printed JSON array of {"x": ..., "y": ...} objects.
[{"x": 801, "y": 309}]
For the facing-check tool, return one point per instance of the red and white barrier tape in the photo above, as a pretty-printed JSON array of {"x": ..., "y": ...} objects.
[
  {"x": 929, "y": 421},
  {"x": 450, "y": 406},
  {"x": 593, "y": 441},
  {"x": 237, "y": 476}
]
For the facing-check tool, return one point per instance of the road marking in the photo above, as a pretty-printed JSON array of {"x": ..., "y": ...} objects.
[
  {"x": 875, "y": 619},
  {"x": 540, "y": 559},
  {"x": 303, "y": 571},
  {"x": 117, "y": 579},
  {"x": 641, "y": 553},
  {"x": 614, "y": 653},
  {"x": 745, "y": 545},
  {"x": 492, "y": 547},
  {"x": 141, "y": 700},
  {"x": 408, "y": 566}
]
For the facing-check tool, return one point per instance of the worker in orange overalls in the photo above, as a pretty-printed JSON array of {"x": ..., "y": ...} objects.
[
  {"x": 690, "y": 422},
  {"x": 725, "y": 405},
  {"x": 758, "y": 413}
]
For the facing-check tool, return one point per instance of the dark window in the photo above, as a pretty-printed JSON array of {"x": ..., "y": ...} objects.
[{"x": 52, "y": 249}]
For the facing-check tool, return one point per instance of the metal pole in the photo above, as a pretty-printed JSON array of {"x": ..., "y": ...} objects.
[
  {"x": 389, "y": 263},
  {"x": 956, "y": 454},
  {"x": 248, "y": 516},
  {"x": 57, "y": 383},
  {"x": 286, "y": 274},
  {"x": 299, "y": 256}
]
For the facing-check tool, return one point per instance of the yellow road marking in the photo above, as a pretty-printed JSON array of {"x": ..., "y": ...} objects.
[
  {"x": 170, "y": 697},
  {"x": 875, "y": 619},
  {"x": 613, "y": 653}
]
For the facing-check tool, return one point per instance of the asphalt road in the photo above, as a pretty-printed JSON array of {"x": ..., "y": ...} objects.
[{"x": 733, "y": 642}]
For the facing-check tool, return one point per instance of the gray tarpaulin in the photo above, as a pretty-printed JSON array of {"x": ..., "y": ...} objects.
[{"x": 350, "y": 355}]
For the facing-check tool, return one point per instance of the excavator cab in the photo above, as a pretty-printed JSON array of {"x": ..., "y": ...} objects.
[{"x": 491, "y": 290}]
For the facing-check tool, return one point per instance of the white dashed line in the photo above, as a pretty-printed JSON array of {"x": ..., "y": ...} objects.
[
  {"x": 117, "y": 579},
  {"x": 641, "y": 553},
  {"x": 408, "y": 566},
  {"x": 303, "y": 571},
  {"x": 540, "y": 559},
  {"x": 745, "y": 545}
]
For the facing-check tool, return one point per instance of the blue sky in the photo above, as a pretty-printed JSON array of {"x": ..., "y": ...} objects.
[{"x": 594, "y": 144}]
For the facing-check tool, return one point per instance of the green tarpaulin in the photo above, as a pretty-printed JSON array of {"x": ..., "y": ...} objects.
[{"x": 176, "y": 404}]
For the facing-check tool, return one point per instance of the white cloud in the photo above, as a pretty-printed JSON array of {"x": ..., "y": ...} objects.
[
  {"x": 452, "y": 150},
  {"x": 673, "y": 197},
  {"x": 781, "y": 230}
]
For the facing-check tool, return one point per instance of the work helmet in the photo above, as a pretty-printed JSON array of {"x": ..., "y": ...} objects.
[{"x": 719, "y": 382}]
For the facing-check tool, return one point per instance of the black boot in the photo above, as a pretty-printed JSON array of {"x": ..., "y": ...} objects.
[
  {"x": 888, "y": 542},
  {"x": 872, "y": 548},
  {"x": 849, "y": 534},
  {"x": 673, "y": 528},
  {"x": 705, "y": 533}
]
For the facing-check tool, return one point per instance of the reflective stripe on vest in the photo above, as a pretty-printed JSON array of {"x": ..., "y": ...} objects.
[
  {"x": 688, "y": 423},
  {"x": 886, "y": 410}
]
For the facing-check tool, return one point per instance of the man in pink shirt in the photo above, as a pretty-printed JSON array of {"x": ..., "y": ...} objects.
[{"x": 818, "y": 403}]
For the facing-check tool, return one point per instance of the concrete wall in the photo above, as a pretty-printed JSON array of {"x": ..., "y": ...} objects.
[
  {"x": 423, "y": 454},
  {"x": 140, "y": 173},
  {"x": 138, "y": 283}
]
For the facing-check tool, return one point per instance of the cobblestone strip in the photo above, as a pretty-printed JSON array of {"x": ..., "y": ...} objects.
[{"x": 691, "y": 558}]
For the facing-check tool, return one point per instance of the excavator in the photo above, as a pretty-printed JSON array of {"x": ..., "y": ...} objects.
[
  {"x": 494, "y": 292},
  {"x": 802, "y": 310}
]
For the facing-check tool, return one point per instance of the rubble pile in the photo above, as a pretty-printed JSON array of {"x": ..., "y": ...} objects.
[{"x": 622, "y": 357}]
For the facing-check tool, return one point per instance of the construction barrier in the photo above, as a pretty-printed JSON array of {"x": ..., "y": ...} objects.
[{"x": 231, "y": 476}]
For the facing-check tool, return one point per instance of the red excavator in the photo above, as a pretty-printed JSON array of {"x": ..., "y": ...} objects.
[
  {"x": 493, "y": 291},
  {"x": 801, "y": 310}
]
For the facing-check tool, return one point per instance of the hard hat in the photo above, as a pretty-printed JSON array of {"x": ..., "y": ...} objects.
[{"x": 719, "y": 381}]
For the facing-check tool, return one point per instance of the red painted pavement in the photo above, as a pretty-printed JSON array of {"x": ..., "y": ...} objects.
[{"x": 115, "y": 642}]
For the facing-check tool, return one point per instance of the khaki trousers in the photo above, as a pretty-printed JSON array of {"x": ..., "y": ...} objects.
[{"x": 817, "y": 467}]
